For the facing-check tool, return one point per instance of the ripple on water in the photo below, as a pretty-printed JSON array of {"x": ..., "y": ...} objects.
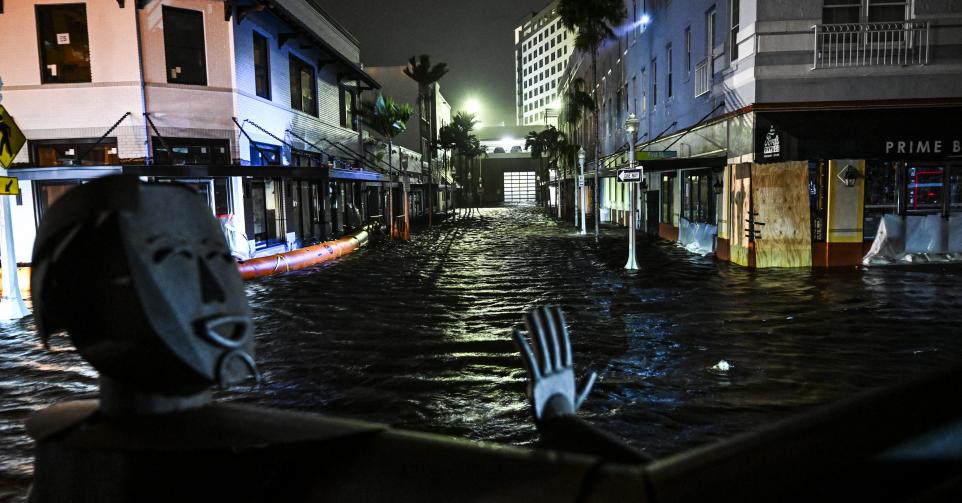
[{"x": 417, "y": 334}]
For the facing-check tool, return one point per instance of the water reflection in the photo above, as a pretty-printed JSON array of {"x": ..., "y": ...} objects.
[{"x": 417, "y": 335}]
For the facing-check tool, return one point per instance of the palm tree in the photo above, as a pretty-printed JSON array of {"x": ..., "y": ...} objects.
[
  {"x": 457, "y": 136},
  {"x": 575, "y": 102},
  {"x": 388, "y": 118},
  {"x": 594, "y": 21},
  {"x": 426, "y": 75}
]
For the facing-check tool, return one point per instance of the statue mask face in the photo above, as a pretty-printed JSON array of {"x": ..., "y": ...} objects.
[
  {"x": 165, "y": 312},
  {"x": 194, "y": 298}
]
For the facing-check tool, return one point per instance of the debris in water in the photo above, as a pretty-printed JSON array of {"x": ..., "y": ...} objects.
[{"x": 722, "y": 366}]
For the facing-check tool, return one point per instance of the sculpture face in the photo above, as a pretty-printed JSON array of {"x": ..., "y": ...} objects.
[
  {"x": 141, "y": 278},
  {"x": 194, "y": 298}
]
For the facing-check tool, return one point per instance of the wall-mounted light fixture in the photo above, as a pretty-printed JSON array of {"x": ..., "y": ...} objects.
[{"x": 848, "y": 175}]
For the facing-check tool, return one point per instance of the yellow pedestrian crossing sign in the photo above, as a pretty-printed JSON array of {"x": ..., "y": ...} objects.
[
  {"x": 11, "y": 138},
  {"x": 9, "y": 186}
]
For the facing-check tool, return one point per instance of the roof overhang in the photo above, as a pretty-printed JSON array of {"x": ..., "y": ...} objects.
[
  {"x": 348, "y": 70},
  {"x": 193, "y": 172}
]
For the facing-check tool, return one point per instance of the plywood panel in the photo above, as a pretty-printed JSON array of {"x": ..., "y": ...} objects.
[
  {"x": 740, "y": 181},
  {"x": 781, "y": 203}
]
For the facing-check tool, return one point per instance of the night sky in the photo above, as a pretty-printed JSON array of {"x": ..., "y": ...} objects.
[{"x": 475, "y": 39}]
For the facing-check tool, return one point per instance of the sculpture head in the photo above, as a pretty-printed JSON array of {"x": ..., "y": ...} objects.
[{"x": 141, "y": 278}]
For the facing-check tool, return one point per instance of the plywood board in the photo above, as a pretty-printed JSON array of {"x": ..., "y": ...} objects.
[
  {"x": 781, "y": 202},
  {"x": 740, "y": 181}
]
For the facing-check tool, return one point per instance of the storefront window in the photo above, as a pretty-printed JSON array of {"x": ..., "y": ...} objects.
[
  {"x": 698, "y": 202},
  {"x": 955, "y": 189},
  {"x": 69, "y": 152},
  {"x": 186, "y": 151},
  {"x": 881, "y": 195},
  {"x": 265, "y": 204},
  {"x": 667, "y": 198},
  {"x": 222, "y": 196},
  {"x": 49, "y": 192},
  {"x": 924, "y": 188}
]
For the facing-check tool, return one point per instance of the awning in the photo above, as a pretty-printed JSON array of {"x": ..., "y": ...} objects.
[
  {"x": 672, "y": 164},
  {"x": 193, "y": 171}
]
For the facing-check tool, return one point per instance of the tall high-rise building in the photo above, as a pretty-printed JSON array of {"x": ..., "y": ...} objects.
[{"x": 542, "y": 48}]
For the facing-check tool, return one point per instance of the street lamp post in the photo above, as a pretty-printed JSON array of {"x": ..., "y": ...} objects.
[
  {"x": 581, "y": 190},
  {"x": 631, "y": 130}
]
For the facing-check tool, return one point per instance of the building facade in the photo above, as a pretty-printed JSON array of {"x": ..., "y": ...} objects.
[
  {"x": 251, "y": 103},
  {"x": 542, "y": 49},
  {"x": 776, "y": 134}
]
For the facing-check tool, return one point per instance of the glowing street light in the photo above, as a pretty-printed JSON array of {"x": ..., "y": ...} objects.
[{"x": 472, "y": 106}]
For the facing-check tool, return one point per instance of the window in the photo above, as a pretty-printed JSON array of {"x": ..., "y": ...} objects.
[
  {"x": 644, "y": 93},
  {"x": 264, "y": 154},
  {"x": 667, "y": 198},
  {"x": 69, "y": 152},
  {"x": 349, "y": 108},
  {"x": 881, "y": 195},
  {"x": 64, "y": 48},
  {"x": 188, "y": 151},
  {"x": 864, "y": 11},
  {"x": 841, "y": 11},
  {"x": 925, "y": 188},
  {"x": 48, "y": 192},
  {"x": 184, "y": 46},
  {"x": 303, "y": 87},
  {"x": 698, "y": 198},
  {"x": 262, "y": 67},
  {"x": 710, "y": 39},
  {"x": 669, "y": 86},
  {"x": 687, "y": 51},
  {"x": 654, "y": 81},
  {"x": 733, "y": 31}
]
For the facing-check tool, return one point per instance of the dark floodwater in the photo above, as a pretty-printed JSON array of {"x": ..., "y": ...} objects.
[{"x": 417, "y": 335}]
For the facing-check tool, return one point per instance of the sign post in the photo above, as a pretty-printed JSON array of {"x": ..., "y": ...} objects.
[
  {"x": 11, "y": 141},
  {"x": 581, "y": 191},
  {"x": 632, "y": 176}
]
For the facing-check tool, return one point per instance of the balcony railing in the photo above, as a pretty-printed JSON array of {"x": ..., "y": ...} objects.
[
  {"x": 871, "y": 44},
  {"x": 702, "y": 77}
]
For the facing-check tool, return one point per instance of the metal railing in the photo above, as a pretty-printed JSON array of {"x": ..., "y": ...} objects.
[
  {"x": 871, "y": 44},
  {"x": 702, "y": 77}
]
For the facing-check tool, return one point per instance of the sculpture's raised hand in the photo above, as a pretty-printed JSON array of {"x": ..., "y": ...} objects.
[{"x": 551, "y": 378}]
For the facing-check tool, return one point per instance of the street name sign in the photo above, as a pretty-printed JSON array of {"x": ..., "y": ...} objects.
[
  {"x": 9, "y": 186},
  {"x": 629, "y": 175},
  {"x": 11, "y": 138}
]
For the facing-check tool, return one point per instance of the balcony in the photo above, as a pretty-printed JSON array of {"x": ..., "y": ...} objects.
[
  {"x": 703, "y": 77},
  {"x": 871, "y": 44}
]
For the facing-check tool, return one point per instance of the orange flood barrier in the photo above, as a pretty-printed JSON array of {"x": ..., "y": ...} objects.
[{"x": 301, "y": 258}]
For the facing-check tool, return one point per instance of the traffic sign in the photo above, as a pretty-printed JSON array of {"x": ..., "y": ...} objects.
[
  {"x": 581, "y": 180},
  {"x": 11, "y": 138},
  {"x": 629, "y": 175},
  {"x": 9, "y": 186}
]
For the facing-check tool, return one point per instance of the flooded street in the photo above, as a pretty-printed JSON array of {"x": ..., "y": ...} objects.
[{"x": 418, "y": 335}]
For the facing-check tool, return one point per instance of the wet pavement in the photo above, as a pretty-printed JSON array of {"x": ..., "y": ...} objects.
[{"x": 418, "y": 335}]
